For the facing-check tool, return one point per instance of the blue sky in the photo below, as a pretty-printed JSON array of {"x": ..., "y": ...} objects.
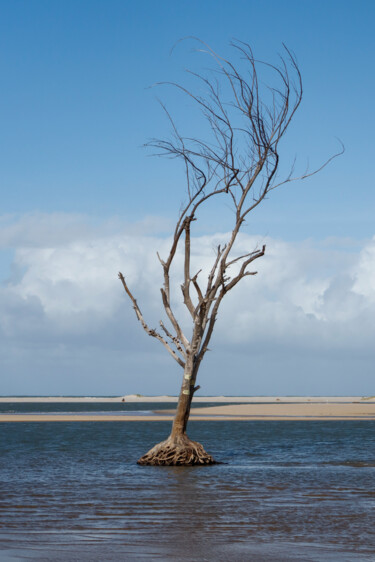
[{"x": 75, "y": 182}]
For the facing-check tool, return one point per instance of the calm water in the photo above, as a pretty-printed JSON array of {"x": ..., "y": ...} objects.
[
  {"x": 92, "y": 408},
  {"x": 288, "y": 491}
]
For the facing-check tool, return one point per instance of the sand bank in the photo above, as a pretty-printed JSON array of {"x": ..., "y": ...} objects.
[
  {"x": 329, "y": 410},
  {"x": 301, "y": 410}
]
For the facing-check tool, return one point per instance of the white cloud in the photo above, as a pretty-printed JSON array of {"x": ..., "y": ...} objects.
[
  {"x": 365, "y": 274},
  {"x": 308, "y": 298}
]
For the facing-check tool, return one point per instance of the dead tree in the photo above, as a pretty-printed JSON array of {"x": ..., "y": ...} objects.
[{"x": 238, "y": 162}]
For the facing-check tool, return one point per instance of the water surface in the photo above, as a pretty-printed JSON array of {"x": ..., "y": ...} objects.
[
  {"x": 290, "y": 490},
  {"x": 94, "y": 408}
]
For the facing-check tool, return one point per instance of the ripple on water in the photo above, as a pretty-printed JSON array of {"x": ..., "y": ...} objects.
[{"x": 77, "y": 484}]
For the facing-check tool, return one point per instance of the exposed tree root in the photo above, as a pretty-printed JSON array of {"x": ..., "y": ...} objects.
[{"x": 177, "y": 451}]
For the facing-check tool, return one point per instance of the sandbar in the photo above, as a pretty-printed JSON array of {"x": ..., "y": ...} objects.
[{"x": 240, "y": 409}]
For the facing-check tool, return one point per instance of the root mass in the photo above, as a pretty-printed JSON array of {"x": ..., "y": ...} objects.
[{"x": 177, "y": 451}]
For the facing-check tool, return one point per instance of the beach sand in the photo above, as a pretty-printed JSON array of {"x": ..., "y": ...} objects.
[{"x": 241, "y": 408}]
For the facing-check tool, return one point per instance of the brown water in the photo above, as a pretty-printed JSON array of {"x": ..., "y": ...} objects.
[{"x": 287, "y": 491}]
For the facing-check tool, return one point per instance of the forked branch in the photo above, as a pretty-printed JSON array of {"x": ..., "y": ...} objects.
[{"x": 149, "y": 331}]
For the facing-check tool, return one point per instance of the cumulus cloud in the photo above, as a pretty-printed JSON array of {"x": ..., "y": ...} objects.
[
  {"x": 64, "y": 303},
  {"x": 365, "y": 274}
]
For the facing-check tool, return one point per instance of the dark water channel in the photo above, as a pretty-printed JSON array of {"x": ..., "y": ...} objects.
[
  {"x": 288, "y": 490},
  {"x": 93, "y": 408}
]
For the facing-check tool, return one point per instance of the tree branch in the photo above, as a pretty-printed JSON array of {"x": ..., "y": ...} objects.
[{"x": 149, "y": 331}]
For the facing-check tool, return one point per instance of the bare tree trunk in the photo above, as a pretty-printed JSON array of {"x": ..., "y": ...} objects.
[
  {"x": 178, "y": 449},
  {"x": 184, "y": 400}
]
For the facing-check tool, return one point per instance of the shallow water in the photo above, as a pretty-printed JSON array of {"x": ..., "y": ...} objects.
[
  {"x": 107, "y": 408},
  {"x": 289, "y": 490}
]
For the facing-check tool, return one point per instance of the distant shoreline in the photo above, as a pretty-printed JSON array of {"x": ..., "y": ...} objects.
[
  {"x": 139, "y": 398},
  {"x": 227, "y": 408}
]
